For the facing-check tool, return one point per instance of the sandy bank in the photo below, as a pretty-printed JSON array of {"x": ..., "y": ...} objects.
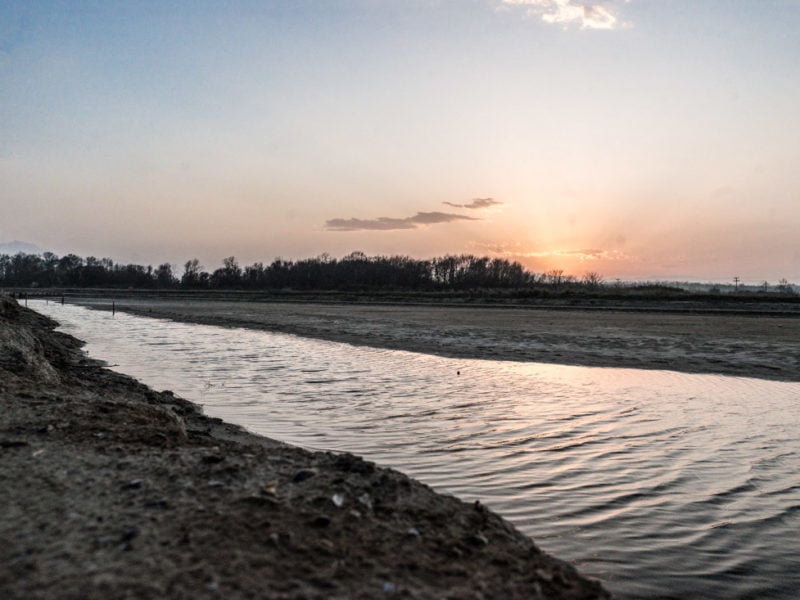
[
  {"x": 748, "y": 345},
  {"x": 110, "y": 489}
]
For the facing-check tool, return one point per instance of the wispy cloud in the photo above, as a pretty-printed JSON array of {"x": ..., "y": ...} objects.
[
  {"x": 477, "y": 203},
  {"x": 391, "y": 223},
  {"x": 571, "y": 12},
  {"x": 581, "y": 254}
]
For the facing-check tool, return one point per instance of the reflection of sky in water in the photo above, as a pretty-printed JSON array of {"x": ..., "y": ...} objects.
[{"x": 650, "y": 480}]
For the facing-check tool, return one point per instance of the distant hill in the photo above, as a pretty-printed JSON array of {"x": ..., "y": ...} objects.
[{"x": 17, "y": 246}]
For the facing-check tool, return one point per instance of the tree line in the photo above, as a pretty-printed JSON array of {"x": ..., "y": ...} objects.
[{"x": 356, "y": 271}]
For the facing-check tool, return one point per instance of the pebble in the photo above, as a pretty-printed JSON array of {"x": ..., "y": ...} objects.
[
  {"x": 211, "y": 459},
  {"x": 321, "y": 521},
  {"x": 478, "y": 539},
  {"x": 304, "y": 474},
  {"x": 133, "y": 484},
  {"x": 13, "y": 444},
  {"x": 129, "y": 534},
  {"x": 338, "y": 500}
]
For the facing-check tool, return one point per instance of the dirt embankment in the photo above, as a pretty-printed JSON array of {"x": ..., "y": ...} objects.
[{"x": 111, "y": 490}]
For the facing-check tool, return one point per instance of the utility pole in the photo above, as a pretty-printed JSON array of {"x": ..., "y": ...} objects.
[{"x": 736, "y": 283}]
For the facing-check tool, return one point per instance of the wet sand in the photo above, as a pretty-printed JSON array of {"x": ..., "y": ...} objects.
[
  {"x": 740, "y": 344},
  {"x": 109, "y": 489}
]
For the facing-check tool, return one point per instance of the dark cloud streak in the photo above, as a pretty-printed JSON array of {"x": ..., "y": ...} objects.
[
  {"x": 390, "y": 223},
  {"x": 477, "y": 203}
]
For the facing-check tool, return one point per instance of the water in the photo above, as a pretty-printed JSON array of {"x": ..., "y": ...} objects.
[{"x": 661, "y": 484}]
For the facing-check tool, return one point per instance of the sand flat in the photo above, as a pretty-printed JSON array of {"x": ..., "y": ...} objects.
[{"x": 747, "y": 345}]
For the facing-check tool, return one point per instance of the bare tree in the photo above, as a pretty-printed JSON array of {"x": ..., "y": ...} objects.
[
  {"x": 593, "y": 279},
  {"x": 191, "y": 273},
  {"x": 555, "y": 277},
  {"x": 164, "y": 277}
]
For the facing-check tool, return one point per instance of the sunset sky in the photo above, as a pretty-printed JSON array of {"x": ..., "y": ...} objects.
[{"x": 647, "y": 138}]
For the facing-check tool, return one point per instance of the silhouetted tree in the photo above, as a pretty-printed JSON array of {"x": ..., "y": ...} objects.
[
  {"x": 164, "y": 277},
  {"x": 229, "y": 276},
  {"x": 191, "y": 274},
  {"x": 593, "y": 279}
]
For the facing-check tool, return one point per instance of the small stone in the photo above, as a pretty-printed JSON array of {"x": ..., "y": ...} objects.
[
  {"x": 413, "y": 532},
  {"x": 259, "y": 501},
  {"x": 270, "y": 488},
  {"x": 13, "y": 444},
  {"x": 214, "y": 484},
  {"x": 304, "y": 474},
  {"x": 338, "y": 500},
  {"x": 365, "y": 500},
  {"x": 133, "y": 484},
  {"x": 211, "y": 459},
  {"x": 389, "y": 588},
  {"x": 321, "y": 521},
  {"x": 478, "y": 540},
  {"x": 129, "y": 534}
]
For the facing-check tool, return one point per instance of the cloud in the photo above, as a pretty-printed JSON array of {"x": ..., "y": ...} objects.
[
  {"x": 570, "y": 12},
  {"x": 581, "y": 254},
  {"x": 390, "y": 223},
  {"x": 476, "y": 203}
]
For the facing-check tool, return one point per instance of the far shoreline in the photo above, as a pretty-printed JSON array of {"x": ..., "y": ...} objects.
[{"x": 743, "y": 343}]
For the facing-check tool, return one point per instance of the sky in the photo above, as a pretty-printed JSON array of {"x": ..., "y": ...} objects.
[{"x": 652, "y": 139}]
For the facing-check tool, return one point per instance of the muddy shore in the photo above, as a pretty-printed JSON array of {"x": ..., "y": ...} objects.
[
  {"x": 747, "y": 344},
  {"x": 109, "y": 489}
]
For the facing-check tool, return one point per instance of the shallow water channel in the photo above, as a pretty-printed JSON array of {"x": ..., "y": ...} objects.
[{"x": 661, "y": 484}]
